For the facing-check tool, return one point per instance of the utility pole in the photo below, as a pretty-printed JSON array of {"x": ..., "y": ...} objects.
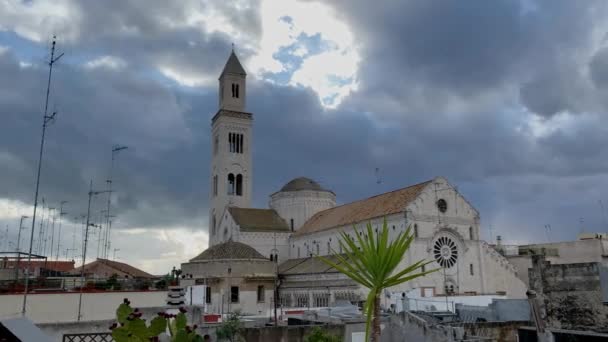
[
  {"x": 46, "y": 119},
  {"x": 61, "y": 214},
  {"x": 53, "y": 233},
  {"x": 23, "y": 217},
  {"x": 115, "y": 150},
  {"x": 84, "y": 251}
]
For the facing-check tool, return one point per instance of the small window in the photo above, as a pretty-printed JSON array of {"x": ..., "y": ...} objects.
[
  {"x": 213, "y": 225},
  {"x": 231, "y": 184},
  {"x": 291, "y": 224},
  {"x": 235, "y": 90},
  {"x": 415, "y": 230},
  {"x": 276, "y": 258},
  {"x": 260, "y": 293},
  {"x": 298, "y": 251},
  {"x": 318, "y": 249},
  {"x": 216, "y": 142},
  {"x": 234, "y": 294},
  {"x": 208, "y": 295},
  {"x": 328, "y": 248},
  {"x": 271, "y": 257},
  {"x": 215, "y": 185},
  {"x": 239, "y": 185},
  {"x": 393, "y": 227},
  {"x": 471, "y": 269},
  {"x": 423, "y": 268},
  {"x": 236, "y": 143},
  {"x": 471, "y": 233}
]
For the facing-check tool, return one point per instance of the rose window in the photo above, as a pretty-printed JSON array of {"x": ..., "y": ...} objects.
[{"x": 445, "y": 252}]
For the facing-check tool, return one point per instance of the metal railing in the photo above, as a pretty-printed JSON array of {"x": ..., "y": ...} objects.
[{"x": 90, "y": 337}]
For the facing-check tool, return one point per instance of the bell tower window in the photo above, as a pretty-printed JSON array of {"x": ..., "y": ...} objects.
[
  {"x": 231, "y": 184},
  {"x": 235, "y": 143},
  {"x": 239, "y": 185},
  {"x": 235, "y": 90}
]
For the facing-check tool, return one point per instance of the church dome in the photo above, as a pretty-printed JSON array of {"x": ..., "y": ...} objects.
[
  {"x": 229, "y": 250},
  {"x": 302, "y": 183}
]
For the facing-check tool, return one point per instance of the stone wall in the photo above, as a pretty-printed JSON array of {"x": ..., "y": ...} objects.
[{"x": 570, "y": 294}]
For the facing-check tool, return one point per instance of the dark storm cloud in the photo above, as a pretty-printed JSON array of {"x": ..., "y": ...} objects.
[
  {"x": 434, "y": 53},
  {"x": 442, "y": 85}
]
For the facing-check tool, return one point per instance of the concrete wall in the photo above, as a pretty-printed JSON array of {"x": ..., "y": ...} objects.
[
  {"x": 570, "y": 294},
  {"x": 498, "y": 310},
  {"x": 408, "y": 327},
  {"x": 494, "y": 331},
  {"x": 63, "y": 307},
  {"x": 569, "y": 252}
]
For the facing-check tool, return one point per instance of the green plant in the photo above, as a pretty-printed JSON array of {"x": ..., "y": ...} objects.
[
  {"x": 132, "y": 328},
  {"x": 319, "y": 335},
  {"x": 370, "y": 259},
  {"x": 231, "y": 328}
]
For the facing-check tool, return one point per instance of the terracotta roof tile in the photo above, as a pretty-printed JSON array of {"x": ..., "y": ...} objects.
[
  {"x": 229, "y": 250},
  {"x": 119, "y": 266},
  {"x": 258, "y": 220},
  {"x": 377, "y": 206}
]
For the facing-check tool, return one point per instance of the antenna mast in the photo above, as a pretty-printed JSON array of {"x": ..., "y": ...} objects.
[{"x": 46, "y": 120}]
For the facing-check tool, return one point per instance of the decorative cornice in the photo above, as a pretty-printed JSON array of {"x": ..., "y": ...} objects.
[{"x": 232, "y": 114}]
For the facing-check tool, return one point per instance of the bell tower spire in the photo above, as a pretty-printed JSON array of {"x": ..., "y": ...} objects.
[
  {"x": 231, "y": 163},
  {"x": 232, "y": 84}
]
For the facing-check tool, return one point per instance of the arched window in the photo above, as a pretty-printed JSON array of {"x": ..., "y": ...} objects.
[
  {"x": 237, "y": 91},
  {"x": 415, "y": 230},
  {"x": 271, "y": 257},
  {"x": 471, "y": 233},
  {"x": 239, "y": 185},
  {"x": 231, "y": 184},
  {"x": 233, "y": 90},
  {"x": 213, "y": 225}
]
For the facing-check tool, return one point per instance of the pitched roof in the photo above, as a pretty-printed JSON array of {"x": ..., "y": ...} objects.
[
  {"x": 258, "y": 220},
  {"x": 307, "y": 265},
  {"x": 59, "y": 266},
  {"x": 118, "y": 266},
  {"x": 229, "y": 250},
  {"x": 377, "y": 206},
  {"x": 233, "y": 66}
]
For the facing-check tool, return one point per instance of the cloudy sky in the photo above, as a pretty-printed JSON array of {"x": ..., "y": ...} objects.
[{"x": 505, "y": 98}]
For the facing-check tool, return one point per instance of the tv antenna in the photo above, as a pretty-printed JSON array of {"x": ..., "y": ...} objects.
[{"x": 46, "y": 120}]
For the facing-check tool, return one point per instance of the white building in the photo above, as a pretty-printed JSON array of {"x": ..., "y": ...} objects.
[{"x": 303, "y": 220}]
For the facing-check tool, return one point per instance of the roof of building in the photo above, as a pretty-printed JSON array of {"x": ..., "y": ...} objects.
[
  {"x": 59, "y": 266},
  {"x": 258, "y": 220},
  {"x": 307, "y": 265},
  {"x": 302, "y": 183},
  {"x": 233, "y": 65},
  {"x": 118, "y": 266},
  {"x": 229, "y": 250},
  {"x": 377, "y": 206}
]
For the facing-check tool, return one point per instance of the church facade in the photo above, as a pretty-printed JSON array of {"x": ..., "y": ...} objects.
[{"x": 304, "y": 220}]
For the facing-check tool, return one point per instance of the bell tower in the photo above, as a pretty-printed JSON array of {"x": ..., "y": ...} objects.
[{"x": 231, "y": 134}]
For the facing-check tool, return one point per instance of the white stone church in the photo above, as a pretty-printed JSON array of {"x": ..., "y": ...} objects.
[{"x": 304, "y": 220}]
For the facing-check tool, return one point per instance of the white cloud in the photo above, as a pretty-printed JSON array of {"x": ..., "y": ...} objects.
[
  {"x": 184, "y": 78},
  {"x": 157, "y": 250},
  {"x": 283, "y": 23},
  {"x": 37, "y": 20},
  {"x": 110, "y": 62}
]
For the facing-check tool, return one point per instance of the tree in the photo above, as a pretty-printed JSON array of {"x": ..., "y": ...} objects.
[
  {"x": 231, "y": 328},
  {"x": 319, "y": 335},
  {"x": 370, "y": 260}
]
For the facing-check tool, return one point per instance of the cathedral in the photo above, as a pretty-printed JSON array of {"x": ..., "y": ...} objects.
[{"x": 252, "y": 250}]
